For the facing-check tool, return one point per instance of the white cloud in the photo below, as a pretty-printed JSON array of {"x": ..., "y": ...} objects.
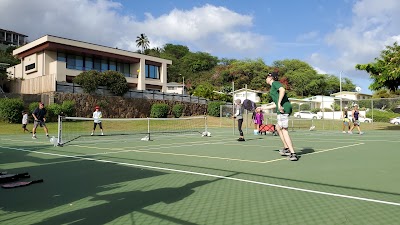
[
  {"x": 307, "y": 36},
  {"x": 375, "y": 24},
  {"x": 102, "y": 22}
]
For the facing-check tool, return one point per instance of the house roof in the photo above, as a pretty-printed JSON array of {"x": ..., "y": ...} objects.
[
  {"x": 174, "y": 84},
  {"x": 54, "y": 43},
  {"x": 349, "y": 93},
  {"x": 248, "y": 90}
]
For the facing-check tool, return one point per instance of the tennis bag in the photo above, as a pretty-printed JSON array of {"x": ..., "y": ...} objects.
[{"x": 268, "y": 128}]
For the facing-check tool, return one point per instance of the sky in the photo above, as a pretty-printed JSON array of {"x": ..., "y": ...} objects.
[{"x": 330, "y": 35}]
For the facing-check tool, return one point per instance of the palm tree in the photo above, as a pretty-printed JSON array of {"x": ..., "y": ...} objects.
[{"x": 142, "y": 41}]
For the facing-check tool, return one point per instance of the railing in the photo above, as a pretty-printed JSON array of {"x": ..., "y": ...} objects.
[{"x": 74, "y": 88}]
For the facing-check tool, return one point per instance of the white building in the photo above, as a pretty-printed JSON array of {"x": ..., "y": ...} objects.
[
  {"x": 50, "y": 59},
  {"x": 175, "y": 88},
  {"x": 243, "y": 94}
]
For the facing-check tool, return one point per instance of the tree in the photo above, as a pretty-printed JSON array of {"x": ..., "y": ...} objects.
[
  {"x": 142, "y": 42},
  {"x": 385, "y": 71},
  {"x": 89, "y": 80},
  {"x": 204, "y": 90}
]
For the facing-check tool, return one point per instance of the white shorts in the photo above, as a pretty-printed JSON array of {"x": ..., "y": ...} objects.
[{"x": 283, "y": 120}]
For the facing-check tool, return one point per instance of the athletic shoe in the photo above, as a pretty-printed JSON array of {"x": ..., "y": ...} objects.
[
  {"x": 34, "y": 137},
  {"x": 361, "y": 133},
  {"x": 47, "y": 136},
  {"x": 293, "y": 157},
  {"x": 343, "y": 132},
  {"x": 91, "y": 134},
  {"x": 241, "y": 139},
  {"x": 284, "y": 152},
  {"x": 102, "y": 134},
  {"x": 350, "y": 132}
]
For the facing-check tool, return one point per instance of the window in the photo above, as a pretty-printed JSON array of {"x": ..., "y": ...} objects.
[
  {"x": 79, "y": 63},
  {"x": 97, "y": 64},
  {"x": 113, "y": 66},
  {"x": 70, "y": 61},
  {"x": 61, "y": 57},
  {"x": 88, "y": 63},
  {"x": 171, "y": 88},
  {"x": 104, "y": 65},
  {"x": 30, "y": 67},
  {"x": 152, "y": 72}
]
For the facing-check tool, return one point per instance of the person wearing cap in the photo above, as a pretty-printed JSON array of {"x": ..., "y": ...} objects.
[
  {"x": 239, "y": 117},
  {"x": 39, "y": 115},
  {"x": 283, "y": 109},
  {"x": 97, "y": 120},
  {"x": 346, "y": 120},
  {"x": 356, "y": 123}
]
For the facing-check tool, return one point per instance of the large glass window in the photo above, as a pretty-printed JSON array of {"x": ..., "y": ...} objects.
[
  {"x": 113, "y": 66},
  {"x": 88, "y": 63},
  {"x": 97, "y": 64},
  {"x": 104, "y": 65},
  {"x": 71, "y": 62},
  {"x": 79, "y": 63},
  {"x": 152, "y": 72},
  {"x": 61, "y": 57}
]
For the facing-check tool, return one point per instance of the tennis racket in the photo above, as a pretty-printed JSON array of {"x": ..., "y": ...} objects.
[
  {"x": 21, "y": 183},
  {"x": 12, "y": 177},
  {"x": 249, "y": 105}
]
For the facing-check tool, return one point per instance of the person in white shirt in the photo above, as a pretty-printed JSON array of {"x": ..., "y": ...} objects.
[
  {"x": 96, "y": 120},
  {"x": 24, "y": 121},
  {"x": 239, "y": 117}
]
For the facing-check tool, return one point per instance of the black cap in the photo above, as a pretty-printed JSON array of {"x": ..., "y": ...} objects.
[{"x": 274, "y": 75}]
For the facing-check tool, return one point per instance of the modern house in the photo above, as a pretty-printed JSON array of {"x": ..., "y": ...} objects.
[
  {"x": 351, "y": 95},
  {"x": 244, "y": 93},
  {"x": 12, "y": 38},
  {"x": 175, "y": 88},
  {"x": 50, "y": 60}
]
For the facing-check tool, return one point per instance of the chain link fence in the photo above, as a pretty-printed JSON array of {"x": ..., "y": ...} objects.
[{"x": 375, "y": 114}]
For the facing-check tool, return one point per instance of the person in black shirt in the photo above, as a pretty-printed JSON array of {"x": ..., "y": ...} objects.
[{"x": 39, "y": 114}]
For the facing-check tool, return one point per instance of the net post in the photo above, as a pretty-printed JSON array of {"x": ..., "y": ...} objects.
[
  {"x": 59, "y": 132},
  {"x": 148, "y": 127}
]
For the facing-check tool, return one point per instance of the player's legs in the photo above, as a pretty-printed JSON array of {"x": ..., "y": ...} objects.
[
  {"x": 94, "y": 128},
  {"x": 101, "y": 128},
  {"x": 35, "y": 125},
  {"x": 240, "y": 123},
  {"x": 45, "y": 129}
]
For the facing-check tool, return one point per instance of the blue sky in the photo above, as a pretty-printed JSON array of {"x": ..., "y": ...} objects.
[{"x": 332, "y": 36}]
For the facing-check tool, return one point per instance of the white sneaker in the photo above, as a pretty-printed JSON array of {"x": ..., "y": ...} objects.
[
  {"x": 102, "y": 134},
  {"x": 91, "y": 134},
  {"x": 343, "y": 132},
  {"x": 349, "y": 132},
  {"x": 361, "y": 133},
  {"x": 34, "y": 137}
]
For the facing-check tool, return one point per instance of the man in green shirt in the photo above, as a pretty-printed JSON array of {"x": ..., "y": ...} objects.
[{"x": 283, "y": 110}]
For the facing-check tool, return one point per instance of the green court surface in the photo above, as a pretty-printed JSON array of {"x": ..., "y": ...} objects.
[{"x": 189, "y": 179}]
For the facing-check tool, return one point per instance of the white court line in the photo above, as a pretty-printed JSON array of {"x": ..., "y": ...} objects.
[
  {"x": 209, "y": 157},
  {"x": 213, "y": 175}
]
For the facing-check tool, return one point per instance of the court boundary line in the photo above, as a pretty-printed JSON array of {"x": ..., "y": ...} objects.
[{"x": 214, "y": 176}]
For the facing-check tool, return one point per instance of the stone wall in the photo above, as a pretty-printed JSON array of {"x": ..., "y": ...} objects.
[{"x": 119, "y": 107}]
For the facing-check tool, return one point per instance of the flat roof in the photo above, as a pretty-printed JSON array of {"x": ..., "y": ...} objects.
[
  {"x": 54, "y": 43},
  {"x": 10, "y": 31}
]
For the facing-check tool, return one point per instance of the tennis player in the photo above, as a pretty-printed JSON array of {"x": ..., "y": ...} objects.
[
  {"x": 239, "y": 117},
  {"x": 97, "y": 120},
  {"x": 356, "y": 122},
  {"x": 283, "y": 110},
  {"x": 39, "y": 114},
  {"x": 346, "y": 120}
]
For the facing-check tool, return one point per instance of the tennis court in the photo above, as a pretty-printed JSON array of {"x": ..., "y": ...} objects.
[{"x": 190, "y": 179}]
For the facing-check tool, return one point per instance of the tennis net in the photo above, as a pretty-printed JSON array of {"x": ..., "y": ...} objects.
[{"x": 80, "y": 128}]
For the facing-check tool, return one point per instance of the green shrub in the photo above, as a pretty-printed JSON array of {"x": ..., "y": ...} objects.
[
  {"x": 53, "y": 110},
  {"x": 305, "y": 107},
  {"x": 68, "y": 108},
  {"x": 214, "y": 108},
  {"x": 381, "y": 116},
  {"x": 159, "y": 110},
  {"x": 316, "y": 110},
  {"x": 328, "y": 110},
  {"x": 177, "y": 110},
  {"x": 115, "y": 82},
  {"x": 89, "y": 80},
  {"x": 32, "y": 107},
  {"x": 11, "y": 109}
]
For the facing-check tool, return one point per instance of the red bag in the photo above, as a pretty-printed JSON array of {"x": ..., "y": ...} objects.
[{"x": 270, "y": 128}]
